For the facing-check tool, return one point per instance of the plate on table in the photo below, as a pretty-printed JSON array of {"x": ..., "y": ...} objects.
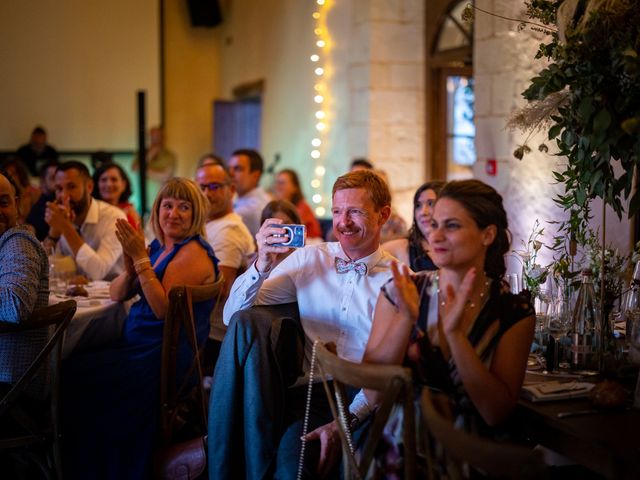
[{"x": 90, "y": 302}]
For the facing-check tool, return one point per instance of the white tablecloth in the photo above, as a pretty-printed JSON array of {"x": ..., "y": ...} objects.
[{"x": 98, "y": 320}]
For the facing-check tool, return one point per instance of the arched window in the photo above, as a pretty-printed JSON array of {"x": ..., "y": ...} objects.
[{"x": 450, "y": 129}]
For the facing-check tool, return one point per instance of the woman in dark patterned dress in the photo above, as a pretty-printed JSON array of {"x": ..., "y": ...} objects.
[
  {"x": 413, "y": 249},
  {"x": 459, "y": 329}
]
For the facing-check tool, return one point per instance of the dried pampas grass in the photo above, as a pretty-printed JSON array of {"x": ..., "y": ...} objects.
[{"x": 536, "y": 115}]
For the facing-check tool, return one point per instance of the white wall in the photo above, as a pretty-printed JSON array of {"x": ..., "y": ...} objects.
[
  {"x": 272, "y": 40},
  {"x": 74, "y": 66}
]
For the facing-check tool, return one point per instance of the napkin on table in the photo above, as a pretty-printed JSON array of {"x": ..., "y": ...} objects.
[{"x": 546, "y": 391}]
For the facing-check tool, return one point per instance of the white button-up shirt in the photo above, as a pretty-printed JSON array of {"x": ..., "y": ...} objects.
[
  {"x": 100, "y": 257},
  {"x": 333, "y": 307}
]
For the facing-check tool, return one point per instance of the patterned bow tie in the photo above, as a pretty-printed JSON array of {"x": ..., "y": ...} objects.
[{"x": 343, "y": 266}]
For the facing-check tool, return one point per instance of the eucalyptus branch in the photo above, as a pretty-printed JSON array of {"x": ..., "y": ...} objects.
[{"x": 544, "y": 28}]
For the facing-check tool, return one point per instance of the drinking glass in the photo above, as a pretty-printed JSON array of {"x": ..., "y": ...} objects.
[
  {"x": 559, "y": 325},
  {"x": 514, "y": 283},
  {"x": 541, "y": 306}
]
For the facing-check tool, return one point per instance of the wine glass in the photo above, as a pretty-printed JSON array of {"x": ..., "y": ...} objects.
[
  {"x": 559, "y": 325},
  {"x": 541, "y": 306},
  {"x": 514, "y": 283}
]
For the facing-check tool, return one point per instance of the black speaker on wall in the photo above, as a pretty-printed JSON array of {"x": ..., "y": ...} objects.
[{"x": 204, "y": 13}]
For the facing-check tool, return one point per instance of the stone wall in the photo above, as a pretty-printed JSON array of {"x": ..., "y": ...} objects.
[{"x": 386, "y": 89}]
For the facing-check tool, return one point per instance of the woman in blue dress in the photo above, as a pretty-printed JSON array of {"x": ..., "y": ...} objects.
[{"x": 111, "y": 396}]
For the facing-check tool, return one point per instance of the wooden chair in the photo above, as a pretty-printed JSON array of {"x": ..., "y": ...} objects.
[
  {"x": 394, "y": 381},
  {"x": 29, "y": 433},
  {"x": 496, "y": 460},
  {"x": 180, "y": 316}
]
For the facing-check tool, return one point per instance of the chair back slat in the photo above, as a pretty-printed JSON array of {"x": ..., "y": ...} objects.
[
  {"x": 180, "y": 317},
  {"x": 60, "y": 315},
  {"x": 497, "y": 460},
  {"x": 394, "y": 382}
]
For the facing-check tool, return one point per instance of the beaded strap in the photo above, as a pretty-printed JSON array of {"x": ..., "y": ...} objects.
[{"x": 307, "y": 408}]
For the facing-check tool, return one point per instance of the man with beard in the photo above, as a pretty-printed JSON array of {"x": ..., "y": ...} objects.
[
  {"x": 83, "y": 227},
  {"x": 253, "y": 432},
  {"x": 226, "y": 233}
]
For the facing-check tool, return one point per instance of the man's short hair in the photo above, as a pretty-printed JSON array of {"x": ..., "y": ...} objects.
[
  {"x": 255, "y": 160},
  {"x": 212, "y": 158},
  {"x": 374, "y": 185},
  {"x": 39, "y": 131},
  {"x": 14, "y": 185},
  {"x": 227, "y": 175},
  {"x": 362, "y": 163},
  {"x": 74, "y": 164}
]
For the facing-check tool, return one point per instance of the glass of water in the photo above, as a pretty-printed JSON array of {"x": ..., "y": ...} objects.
[
  {"x": 559, "y": 325},
  {"x": 514, "y": 283},
  {"x": 541, "y": 305}
]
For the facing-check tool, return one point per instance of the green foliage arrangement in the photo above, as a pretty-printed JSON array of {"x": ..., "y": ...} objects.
[{"x": 588, "y": 99}]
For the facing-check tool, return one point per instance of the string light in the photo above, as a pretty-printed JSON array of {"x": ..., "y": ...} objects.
[{"x": 322, "y": 98}]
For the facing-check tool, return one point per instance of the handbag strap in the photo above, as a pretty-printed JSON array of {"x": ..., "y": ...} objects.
[{"x": 307, "y": 409}]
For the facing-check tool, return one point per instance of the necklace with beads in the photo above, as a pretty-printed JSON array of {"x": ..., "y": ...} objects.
[{"x": 470, "y": 304}]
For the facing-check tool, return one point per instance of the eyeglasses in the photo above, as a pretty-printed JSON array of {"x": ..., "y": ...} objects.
[{"x": 213, "y": 186}]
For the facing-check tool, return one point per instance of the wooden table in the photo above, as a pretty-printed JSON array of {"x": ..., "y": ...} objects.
[{"x": 607, "y": 443}]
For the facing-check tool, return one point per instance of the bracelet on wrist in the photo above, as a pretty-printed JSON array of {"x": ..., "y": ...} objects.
[
  {"x": 140, "y": 270},
  {"x": 142, "y": 261}
]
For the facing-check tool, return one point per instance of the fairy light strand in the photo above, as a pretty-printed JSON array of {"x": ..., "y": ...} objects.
[{"x": 318, "y": 59}]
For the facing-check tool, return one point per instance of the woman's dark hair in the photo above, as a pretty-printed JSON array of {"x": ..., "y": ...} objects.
[
  {"x": 297, "y": 194},
  {"x": 102, "y": 169},
  {"x": 484, "y": 205},
  {"x": 284, "y": 206},
  {"x": 415, "y": 236}
]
